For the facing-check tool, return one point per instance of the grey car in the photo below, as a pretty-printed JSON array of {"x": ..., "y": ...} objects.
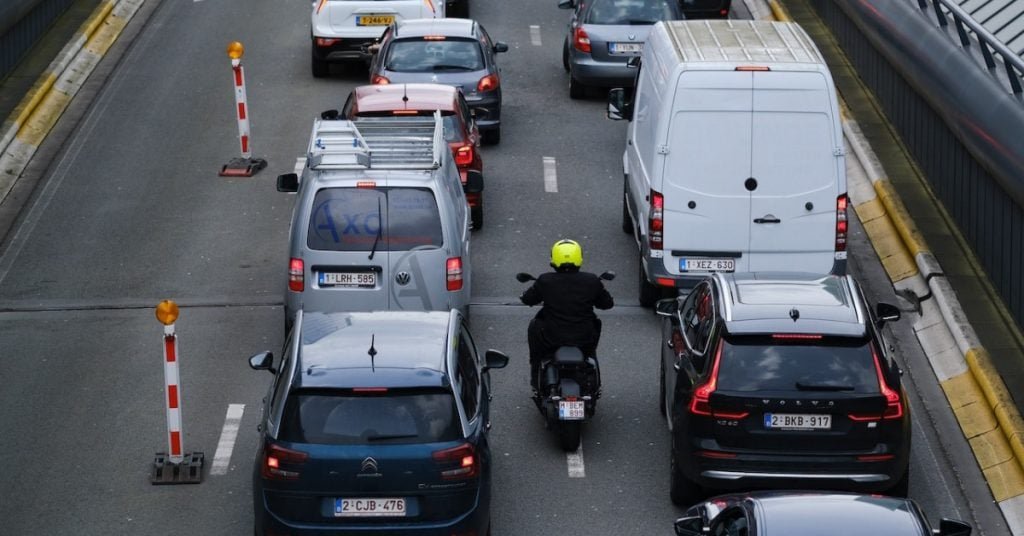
[
  {"x": 456, "y": 52},
  {"x": 604, "y": 35}
]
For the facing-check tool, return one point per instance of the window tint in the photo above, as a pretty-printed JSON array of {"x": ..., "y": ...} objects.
[
  {"x": 348, "y": 219},
  {"x": 469, "y": 377},
  {"x": 762, "y": 363},
  {"x": 698, "y": 317},
  {"x": 424, "y": 56},
  {"x": 344, "y": 418},
  {"x": 631, "y": 11}
]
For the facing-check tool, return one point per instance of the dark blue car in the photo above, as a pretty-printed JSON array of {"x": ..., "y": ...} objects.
[{"x": 375, "y": 423}]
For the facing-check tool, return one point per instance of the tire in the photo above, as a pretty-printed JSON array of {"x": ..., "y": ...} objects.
[
  {"x": 319, "y": 67},
  {"x": 647, "y": 293},
  {"x": 492, "y": 136},
  {"x": 476, "y": 215},
  {"x": 627, "y": 222},
  {"x": 576, "y": 89},
  {"x": 682, "y": 490},
  {"x": 565, "y": 55},
  {"x": 902, "y": 488},
  {"x": 569, "y": 435}
]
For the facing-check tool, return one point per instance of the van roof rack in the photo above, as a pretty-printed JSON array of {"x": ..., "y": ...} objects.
[{"x": 392, "y": 143}]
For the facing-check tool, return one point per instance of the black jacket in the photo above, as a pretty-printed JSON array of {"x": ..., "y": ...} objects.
[{"x": 569, "y": 300}]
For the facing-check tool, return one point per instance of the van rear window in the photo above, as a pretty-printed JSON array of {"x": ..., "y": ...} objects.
[
  {"x": 761, "y": 363},
  {"x": 349, "y": 219}
]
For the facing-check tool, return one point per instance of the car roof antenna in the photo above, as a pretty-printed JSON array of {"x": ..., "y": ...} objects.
[
  {"x": 405, "y": 93},
  {"x": 373, "y": 352},
  {"x": 794, "y": 314}
]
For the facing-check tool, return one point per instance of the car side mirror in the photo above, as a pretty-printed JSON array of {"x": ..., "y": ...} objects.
[
  {"x": 262, "y": 361},
  {"x": 666, "y": 307},
  {"x": 887, "y": 312},
  {"x": 500, "y": 47},
  {"x": 953, "y": 527},
  {"x": 618, "y": 106},
  {"x": 566, "y": 4},
  {"x": 329, "y": 114},
  {"x": 494, "y": 359},
  {"x": 288, "y": 182},
  {"x": 474, "y": 181},
  {"x": 690, "y": 526}
]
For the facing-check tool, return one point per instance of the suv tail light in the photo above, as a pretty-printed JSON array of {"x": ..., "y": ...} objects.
[
  {"x": 326, "y": 41},
  {"x": 296, "y": 275},
  {"x": 464, "y": 155},
  {"x": 453, "y": 273},
  {"x": 580, "y": 39},
  {"x": 487, "y": 83},
  {"x": 842, "y": 202},
  {"x": 379, "y": 79},
  {"x": 280, "y": 463},
  {"x": 893, "y": 401},
  {"x": 656, "y": 221},
  {"x": 458, "y": 463}
]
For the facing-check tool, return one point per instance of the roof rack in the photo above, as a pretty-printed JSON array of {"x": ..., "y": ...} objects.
[{"x": 387, "y": 143}]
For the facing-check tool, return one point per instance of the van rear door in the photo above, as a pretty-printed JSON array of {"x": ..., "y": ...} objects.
[
  {"x": 418, "y": 252},
  {"x": 797, "y": 167},
  {"x": 707, "y": 206}
]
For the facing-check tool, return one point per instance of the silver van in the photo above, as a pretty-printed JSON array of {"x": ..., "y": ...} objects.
[{"x": 380, "y": 220}]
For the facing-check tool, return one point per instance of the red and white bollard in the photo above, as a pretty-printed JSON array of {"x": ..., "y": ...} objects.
[
  {"x": 246, "y": 165},
  {"x": 174, "y": 466}
]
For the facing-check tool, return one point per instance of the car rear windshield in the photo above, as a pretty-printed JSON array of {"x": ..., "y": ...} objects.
[
  {"x": 334, "y": 417},
  {"x": 631, "y": 11},
  {"x": 349, "y": 219},
  {"x": 434, "y": 55},
  {"x": 764, "y": 363},
  {"x": 450, "y": 122}
]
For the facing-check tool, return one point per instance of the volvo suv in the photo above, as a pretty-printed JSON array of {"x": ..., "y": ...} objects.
[{"x": 778, "y": 380}]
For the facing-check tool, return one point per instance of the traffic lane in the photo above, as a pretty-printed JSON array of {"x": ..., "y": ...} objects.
[{"x": 84, "y": 415}]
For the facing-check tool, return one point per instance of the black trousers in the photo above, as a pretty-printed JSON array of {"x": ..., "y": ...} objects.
[{"x": 541, "y": 345}]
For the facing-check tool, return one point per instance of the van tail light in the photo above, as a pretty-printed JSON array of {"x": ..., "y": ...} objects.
[
  {"x": 842, "y": 202},
  {"x": 458, "y": 463},
  {"x": 656, "y": 221},
  {"x": 379, "y": 80},
  {"x": 580, "y": 39},
  {"x": 453, "y": 273},
  {"x": 464, "y": 155},
  {"x": 296, "y": 275},
  {"x": 893, "y": 401},
  {"x": 487, "y": 83},
  {"x": 280, "y": 463}
]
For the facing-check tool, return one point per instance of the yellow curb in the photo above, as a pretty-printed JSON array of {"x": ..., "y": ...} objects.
[
  {"x": 98, "y": 16},
  {"x": 870, "y": 210},
  {"x": 778, "y": 11},
  {"x": 107, "y": 34},
  {"x": 890, "y": 249},
  {"x": 34, "y": 131},
  {"x": 962, "y": 390},
  {"x": 999, "y": 399},
  {"x": 990, "y": 449},
  {"x": 900, "y": 217},
  {"x": 1006, "y": 480},
  {"x": 32, "y": 99}
]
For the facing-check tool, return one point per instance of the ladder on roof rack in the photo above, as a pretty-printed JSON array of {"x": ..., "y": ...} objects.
[{"x": 406, "y": 143}]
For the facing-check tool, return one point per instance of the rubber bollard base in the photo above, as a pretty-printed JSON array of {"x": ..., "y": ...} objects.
[
  {"x": 243, "y": 167},
  {"x": 189, "y": 471}
]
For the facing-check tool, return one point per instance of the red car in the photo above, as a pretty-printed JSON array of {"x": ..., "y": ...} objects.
[{"x": 397, "y": 100}]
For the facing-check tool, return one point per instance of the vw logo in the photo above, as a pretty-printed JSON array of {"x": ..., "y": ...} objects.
[
  {"x": 403, "y": 278},
  {"x": 632, "y": 37}
]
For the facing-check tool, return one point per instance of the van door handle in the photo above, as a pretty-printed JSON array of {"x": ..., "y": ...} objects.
[{"x": 767, "y": 219}]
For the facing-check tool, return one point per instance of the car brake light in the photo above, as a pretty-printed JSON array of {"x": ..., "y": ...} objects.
[
  {"x": 434, "y": 37},
  {"x": 464, "y": 155},
  {"x": 405, "y": 112},
  {"x": 296, "y": 275},
  {"x": 366, "y": 184},
  {"x": 893, "y": 403},
  {"x": 454, "y": 273},
  {"x": 875, "y": 457},
  {"x": 841, "y": 222},
  {"x": 379, "y": 80},
  {"x": 458, "y": 462},
  {"x": 370, "y": 390},
  {"x": 797, "y": 336},
  {"x": 326, "y": 41},
  {"x": 487, "y": 83},
  {"x": 715, "y": 454},
  {"x": 753, "y": 68},
  {"x": 665, "y": 282},
  {"x": 580, "y": 40},
  {"x": 656, "y": 221},
  {"x": 275, "y": 458},
  {"x": 699, "y": 404}
]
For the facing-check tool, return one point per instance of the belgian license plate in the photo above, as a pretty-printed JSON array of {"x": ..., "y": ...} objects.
[
  {"x": 347, "y": 279},
  {"x": 370, "y": 507},
  {"x": 625, "y": 48},
  {"x": 570, "y": 410},
  {"x": 707, "y": 265},
  {"x": 374, "y": 20},
  {"x": 797, "y": 421}
]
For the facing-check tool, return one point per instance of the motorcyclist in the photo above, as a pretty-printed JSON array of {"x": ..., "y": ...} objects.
[{"x": 569, "y": 297}]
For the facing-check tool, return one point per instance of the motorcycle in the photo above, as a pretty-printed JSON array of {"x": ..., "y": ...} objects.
[{"x": 568, "y": 386}]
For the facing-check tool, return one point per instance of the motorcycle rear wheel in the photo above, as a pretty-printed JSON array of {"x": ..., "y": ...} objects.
[{"x": 569, "y": 435}]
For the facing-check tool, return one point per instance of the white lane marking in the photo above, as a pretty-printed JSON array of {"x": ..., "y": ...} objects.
[
  {"x": 535, "y": 35},
  {"x": 300, "y": 164},
  {"x": 222, "y": 458},
  {"x": 575, "y": 461},
  {"x": 550, "y": 176}
]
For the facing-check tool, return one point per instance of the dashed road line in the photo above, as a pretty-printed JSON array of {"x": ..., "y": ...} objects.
[
  {"x": 226, "y": 445},
  {"x": 575, "y": 462},
  {"x": 535, "y": 35},
  {"x": 550, "y": 176}
]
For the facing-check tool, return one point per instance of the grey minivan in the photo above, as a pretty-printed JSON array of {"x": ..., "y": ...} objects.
[{"x": 371, "y": 231}]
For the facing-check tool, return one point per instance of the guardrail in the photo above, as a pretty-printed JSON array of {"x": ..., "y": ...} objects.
[{"x": 966, "y": 28}]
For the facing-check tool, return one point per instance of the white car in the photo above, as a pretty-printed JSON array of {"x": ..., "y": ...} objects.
[{"x": 341, "y": 29}]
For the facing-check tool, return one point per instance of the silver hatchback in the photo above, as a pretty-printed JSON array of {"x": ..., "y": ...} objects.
[{"x": 604, "y": 35}]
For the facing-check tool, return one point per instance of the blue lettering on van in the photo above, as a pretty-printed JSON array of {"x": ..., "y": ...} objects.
[{"x": 354, "y": 224}]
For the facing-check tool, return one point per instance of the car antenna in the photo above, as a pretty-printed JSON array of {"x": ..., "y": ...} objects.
[
  {"x": 373, "y": 352},
  {"x": 794, "y": 314},
  {"x": 405, "y": 93}
]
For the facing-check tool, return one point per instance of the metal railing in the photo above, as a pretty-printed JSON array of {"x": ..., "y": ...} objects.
[{"x": 966, "y": 28}]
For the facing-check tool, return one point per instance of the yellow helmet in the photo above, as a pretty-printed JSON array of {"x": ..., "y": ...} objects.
[{"x": 566, "y": 252}]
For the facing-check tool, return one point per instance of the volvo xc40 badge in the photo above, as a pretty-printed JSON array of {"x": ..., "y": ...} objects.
[{"x": 403, "y": 278}]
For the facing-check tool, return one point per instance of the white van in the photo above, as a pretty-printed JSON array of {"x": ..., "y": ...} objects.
[{"x": 734, "y": 154}]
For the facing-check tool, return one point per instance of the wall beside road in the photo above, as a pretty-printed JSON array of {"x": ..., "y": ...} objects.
[{"x": 22, "y": 23}]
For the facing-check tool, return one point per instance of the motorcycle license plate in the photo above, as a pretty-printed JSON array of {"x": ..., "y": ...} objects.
[{"x": 570, "y": 410}]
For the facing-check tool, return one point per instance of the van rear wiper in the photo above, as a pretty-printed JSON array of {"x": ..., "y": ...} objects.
[
  {"x": 380, "y": 230},
  {"x": 823, "y": 387}
]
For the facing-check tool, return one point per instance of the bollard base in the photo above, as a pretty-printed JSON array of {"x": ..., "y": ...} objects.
[
  {"x": 189, "y": 471},
  {"x": 243, "y": 167}
]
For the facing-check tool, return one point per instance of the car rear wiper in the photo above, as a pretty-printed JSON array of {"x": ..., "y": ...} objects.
[
  {"x": 450, "y": 67},
  {"x": 638, "y": 21},
  {"x": 823, "y": 387},
  {"x": 380, "y": 230},
  {"x": 385, "y": 437}
]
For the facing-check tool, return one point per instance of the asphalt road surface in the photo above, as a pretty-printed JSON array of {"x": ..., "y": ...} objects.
[{"x": 130, "y": 211}]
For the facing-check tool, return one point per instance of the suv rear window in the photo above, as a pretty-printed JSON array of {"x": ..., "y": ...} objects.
[
  {"x": 631, "y": 11},
  {"x": 349, "y": 219},
  {"x": 842, "y": 364},
  {"x": 426, "y": 56},
  {"x": 332, "y": 417}
]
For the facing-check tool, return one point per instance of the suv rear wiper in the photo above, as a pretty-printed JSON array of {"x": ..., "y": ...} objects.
[
  {"x": 823, "y": 387},
  {"x": 385, "y": 437},
  {"x": 380, "y": 230}
]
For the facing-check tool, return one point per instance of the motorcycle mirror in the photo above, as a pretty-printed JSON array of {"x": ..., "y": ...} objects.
[
  {"x": 607, "y": 276},
  {"x": 523, "y": 277}
]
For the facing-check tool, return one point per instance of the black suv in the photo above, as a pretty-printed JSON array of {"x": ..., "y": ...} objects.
[{"x": 781, "y": 380}]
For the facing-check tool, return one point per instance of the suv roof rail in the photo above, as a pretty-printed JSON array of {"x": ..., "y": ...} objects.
[{"x": 406, "y": 143}]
